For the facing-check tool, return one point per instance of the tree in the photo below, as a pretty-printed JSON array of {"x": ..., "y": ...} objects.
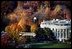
[
  {"x": 13, "y": 30},
  {"x": 34, "y": 27},
  {"x": 40, "y": 35},
  {"x": 49, "y": 33},
  {"x": 43, "y": 34}
]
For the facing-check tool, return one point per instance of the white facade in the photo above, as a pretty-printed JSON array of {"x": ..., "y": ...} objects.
[{"x": 60, "y": 28}]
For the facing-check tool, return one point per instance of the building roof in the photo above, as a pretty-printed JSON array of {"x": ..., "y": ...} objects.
[{"x": 57, "y": 22}]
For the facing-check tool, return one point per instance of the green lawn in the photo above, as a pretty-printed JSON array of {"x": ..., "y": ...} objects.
[
  {"x": 52, "y": 45},
  {"x": 56, "y": 46}
]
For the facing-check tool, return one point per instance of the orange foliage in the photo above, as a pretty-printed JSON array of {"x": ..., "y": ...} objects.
[
  {"x": 34, "y": 27},
  {"x": 13, "y": 30}
]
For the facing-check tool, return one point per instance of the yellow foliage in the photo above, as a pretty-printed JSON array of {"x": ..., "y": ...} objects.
[
  {"x": 7, "y": 29},
  {"x": 56, "y": 10},
  {"x": 13, "y": 31},
  {"x": 22, "y": 24},
  {"x": 34, "y": 27}
]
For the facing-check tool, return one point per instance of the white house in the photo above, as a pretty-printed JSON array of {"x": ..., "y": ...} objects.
[{"x": 60, "y": 28}]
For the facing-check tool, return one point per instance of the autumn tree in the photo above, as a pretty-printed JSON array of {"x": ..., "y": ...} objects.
[
  {"x": 13, "y": 30},
  {"x": 34, "y": 27}
]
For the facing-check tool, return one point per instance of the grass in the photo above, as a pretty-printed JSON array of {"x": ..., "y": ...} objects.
[
  {"x": 52, "y": 45},
  {"x": 56, "y": 46}
]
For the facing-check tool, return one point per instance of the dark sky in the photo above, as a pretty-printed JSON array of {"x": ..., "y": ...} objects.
[{"x": 9, "y": 6}]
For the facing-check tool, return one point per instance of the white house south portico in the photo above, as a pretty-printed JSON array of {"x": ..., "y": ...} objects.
[{"x": 60, "y": 28}]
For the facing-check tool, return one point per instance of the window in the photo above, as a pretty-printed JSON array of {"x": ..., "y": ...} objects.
[
  {"x": 64, "y": 33},
  {"x": 61, "y": 34},
  {"x": 45, "y": 23},
  {"x": 56, "y": 34},
  {"x": 67, "y": 24},
  {"x": 56, "y": 30},
  {"x": 61, "y": 24},
  {"x": 67, "y": 33},
  {"x": 61, "y": 30},
  {"x": 53, "y": 28}
]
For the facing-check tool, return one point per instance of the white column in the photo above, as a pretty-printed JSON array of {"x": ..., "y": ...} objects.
[
  {"x": 69, "y": 33},
  {"x": 54, "y": 32},
  {"x": 57, "y": 33},
  {"x": 66, "y": 33},
  {"x": 60, "y": 34},
  {"x": 51, "y": 28},
  {"x": 63, "y": 35}
]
